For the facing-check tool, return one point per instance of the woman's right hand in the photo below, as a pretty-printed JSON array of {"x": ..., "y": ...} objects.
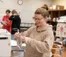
[
  {"x": 17, "y": 35},
  {"x": 3, "y": 22}
]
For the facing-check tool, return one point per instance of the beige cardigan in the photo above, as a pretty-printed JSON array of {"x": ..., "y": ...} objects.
[{"x": 40, "y": 43}]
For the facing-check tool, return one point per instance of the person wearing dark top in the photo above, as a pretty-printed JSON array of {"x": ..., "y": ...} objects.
[{"x": 15, "y": 22}]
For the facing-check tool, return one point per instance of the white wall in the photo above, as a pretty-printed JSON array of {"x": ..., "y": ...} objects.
[{"x": 26, "y": 10}]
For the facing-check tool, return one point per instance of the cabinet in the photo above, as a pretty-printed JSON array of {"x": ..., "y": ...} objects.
[{"x": 54, "y": 15}]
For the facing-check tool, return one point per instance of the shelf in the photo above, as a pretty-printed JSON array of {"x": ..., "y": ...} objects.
[{"x": 57, "y": 13}]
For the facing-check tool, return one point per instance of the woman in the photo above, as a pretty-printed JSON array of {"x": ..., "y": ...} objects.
[
  {"x": 6, "y": 22},
  {"x": 39, "y": 38},
  {"x": 15, "y": 22}
]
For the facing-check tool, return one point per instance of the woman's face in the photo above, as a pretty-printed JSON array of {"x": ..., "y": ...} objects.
[
  {"x": 7, "y": 13},
  {"x": 39, "y": 20}
]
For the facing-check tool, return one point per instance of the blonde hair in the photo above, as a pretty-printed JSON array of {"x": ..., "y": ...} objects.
[
  {"x": 42, "y": 11},
  {"x": 45, "y": 7},
  {"x": 14, "y": 11}
]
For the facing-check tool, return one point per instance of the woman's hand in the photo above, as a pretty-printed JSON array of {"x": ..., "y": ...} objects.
[
  {"x": 17, "y": 35},
  {"x": 21, "y": 36},
  {"x": 3, "y": 22}
]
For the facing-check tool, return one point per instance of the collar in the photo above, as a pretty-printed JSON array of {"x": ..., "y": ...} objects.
[{"x": 42, "y": 29}]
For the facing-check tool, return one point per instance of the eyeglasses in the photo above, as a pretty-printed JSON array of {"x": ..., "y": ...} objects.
[{"x": 37, "y": 18}]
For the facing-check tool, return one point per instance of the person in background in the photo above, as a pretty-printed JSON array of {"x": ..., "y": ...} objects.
[
  {"x": 39, "y": 38},
  {"x": 15, "y": 22},
  {"x": 6, "y": 22}
]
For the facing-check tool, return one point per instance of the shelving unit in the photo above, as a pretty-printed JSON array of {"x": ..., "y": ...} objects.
[
  {"x": 25, "y": 26},
  {"x": 56, "y": 14}
]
